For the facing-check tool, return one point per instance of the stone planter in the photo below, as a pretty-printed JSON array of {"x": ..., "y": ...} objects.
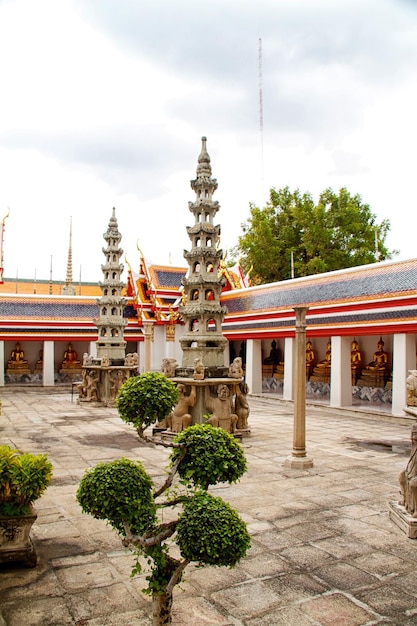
[{"x": 15, "y": 542}]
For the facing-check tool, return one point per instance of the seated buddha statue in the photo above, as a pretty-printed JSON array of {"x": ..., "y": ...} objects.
[
  {"x": 70, "y": 360},
  {"x": 321, "y": 372},
  {"x": 39, "y": 363},
  {"x": 17, "y": 362},
  {"x": 377, "y": 372},
  {"x": 270, "y": 362},
  {"x": 355, "y": 361},
  {"x": 310, "y": 359}
]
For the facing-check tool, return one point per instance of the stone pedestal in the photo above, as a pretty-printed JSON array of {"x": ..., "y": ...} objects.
[
  {"x": 101, "y": 383},
  {"x": 403, "y": 520},
  {"x": 199, "y": 409}
]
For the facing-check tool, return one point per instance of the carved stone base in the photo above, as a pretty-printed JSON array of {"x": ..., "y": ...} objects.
[
  {"x": 298, "y": 462},
  {"x": 403, "y": 520}
]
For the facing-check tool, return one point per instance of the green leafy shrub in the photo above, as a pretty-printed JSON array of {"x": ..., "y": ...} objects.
[
  {"x": 146, "y": 399},
  {"x": 23, "y": 479},
  {"x": 117, "y": 491},
  {"x": 212, "y": 456},
  {"x": 210, "y": 532},
  {"x": 207, "y": 530}
]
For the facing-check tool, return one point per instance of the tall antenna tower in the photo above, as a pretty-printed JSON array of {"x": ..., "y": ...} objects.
[{"x": 261, "y": 115}]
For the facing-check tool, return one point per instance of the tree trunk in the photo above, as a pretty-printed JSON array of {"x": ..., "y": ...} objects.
[{"x": 161, "y": 608}]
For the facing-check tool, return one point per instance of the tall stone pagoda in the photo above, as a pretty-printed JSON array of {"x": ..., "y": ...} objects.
[
  {"x": 104, "y": 374},
  {"x": 206, "y": 385},
  {"x": 202, "y": 312}
]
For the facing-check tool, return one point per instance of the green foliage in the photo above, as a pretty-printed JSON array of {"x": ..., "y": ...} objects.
[
  {"x": 213, "y": 456},
  {"x": 146, "y": 399},
  {"x": 23, "y": 479},
  {"x": 210, "y": 532},
  {"x": 116, "y": 491},
  {"x": 291, "y": 231}
]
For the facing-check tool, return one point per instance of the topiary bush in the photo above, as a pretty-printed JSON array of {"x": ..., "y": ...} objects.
[
  {"x": 212, "y": 456},
  {"x": 119, "y": 491},
  {"x": 146, "y": 399},
  {"x": 210, "y": 532},
  {"x": 207, "y": 529}
]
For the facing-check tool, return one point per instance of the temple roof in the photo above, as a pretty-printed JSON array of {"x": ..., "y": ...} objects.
[{"x": 370, "y": 299}]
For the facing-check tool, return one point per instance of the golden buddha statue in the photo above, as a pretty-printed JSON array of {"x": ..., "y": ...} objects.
[
  {"x": 377, "y": 372},
  {"x": 70, "y": 359},
  {"x": 310, "y": 359},
  {"x": 321, "y": 372},
  {"x": 17, "y": 364},
  {"x": 355, "y": 361}
]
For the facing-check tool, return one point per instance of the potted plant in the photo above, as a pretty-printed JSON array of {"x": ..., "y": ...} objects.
[
  {"x": 23, "y": 479},
  {"x": 206, "y": 529}
]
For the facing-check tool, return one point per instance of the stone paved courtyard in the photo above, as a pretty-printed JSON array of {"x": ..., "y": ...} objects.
[{"x": 324, "y": 551}]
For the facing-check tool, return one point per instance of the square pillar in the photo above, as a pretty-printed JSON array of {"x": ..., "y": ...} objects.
[
  {"x": 48, "y": 377},
  {"x": 341, "y": 377},
  {"x": 254, "y": 365},
  {"x": 403, "y": 360},
  {"x": 289, "y": 360},
  {"x": 1, "y": 363}
]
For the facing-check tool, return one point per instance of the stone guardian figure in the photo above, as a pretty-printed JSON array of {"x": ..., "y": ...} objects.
[{"x": 408, "y": 478}]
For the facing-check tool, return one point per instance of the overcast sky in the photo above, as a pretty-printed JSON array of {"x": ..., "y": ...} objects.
[{"x": 104, "y": 103}]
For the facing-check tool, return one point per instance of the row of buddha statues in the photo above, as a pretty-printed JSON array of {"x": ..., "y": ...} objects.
[
  {"x": 19, "y": 365},
  {"x": 376, "y": 373}
]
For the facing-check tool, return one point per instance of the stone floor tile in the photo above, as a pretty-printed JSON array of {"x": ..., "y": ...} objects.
[
  {"x": 345, "y": 576},
  {"x": 109, "y": 600},
  {"x": 306, "y": 557},
  {"x": 44, "y": 611},
  {"x": 265, "y": 564},
  {"x": 383, "y": 564},
  {"x": 247, "y": 600},
  {"x": 337, "y": 609},
  {"x": 389, "y": 599}
]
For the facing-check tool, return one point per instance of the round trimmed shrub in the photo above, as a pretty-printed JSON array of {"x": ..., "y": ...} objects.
[
  {"x": 146, "y": 399},
  {"x": 116, "y": 491},
  {"x": 211, "y": 532},
  {"x": 213, "y": 456}
]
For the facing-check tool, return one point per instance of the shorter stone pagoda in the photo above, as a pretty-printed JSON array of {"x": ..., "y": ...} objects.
[{"x": 105, "y": 373}]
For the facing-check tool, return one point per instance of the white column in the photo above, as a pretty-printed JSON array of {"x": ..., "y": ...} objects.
[
  {"x": 403, "y": 359},
  {"x": 341, "y": 377},
  {"x": 254, "y": 365},
  {"x": 147, "y": 330},
  {"x": 48, "y": 378},
  {"x": 93, "y": 349},
  {"x": 1, "y": 363},
  {"x": 288, "y": 391}
]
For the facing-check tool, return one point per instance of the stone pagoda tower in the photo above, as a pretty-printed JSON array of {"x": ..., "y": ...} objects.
[
  {"x": 104, "y": 374},
  {"x": 111, "y": 323},
  {"x": 202, "y": 312}
]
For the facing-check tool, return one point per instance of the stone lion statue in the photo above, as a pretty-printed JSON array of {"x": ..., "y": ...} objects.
[{"x": 169, "y": 365}]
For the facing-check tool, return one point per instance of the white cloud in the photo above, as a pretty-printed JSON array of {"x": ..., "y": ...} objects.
[{"x": 104, "y": 105}]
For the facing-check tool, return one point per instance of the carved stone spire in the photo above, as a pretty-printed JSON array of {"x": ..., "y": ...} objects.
[
  {"x": 203, "y": 314},
  {"x": 111, "y": 322},
  {"x": 68, "y": 289}
]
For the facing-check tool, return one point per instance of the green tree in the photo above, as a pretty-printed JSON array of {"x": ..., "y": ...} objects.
[
  {"x": 205, "y": 528},
  {"x": 292, "y": 235}
]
